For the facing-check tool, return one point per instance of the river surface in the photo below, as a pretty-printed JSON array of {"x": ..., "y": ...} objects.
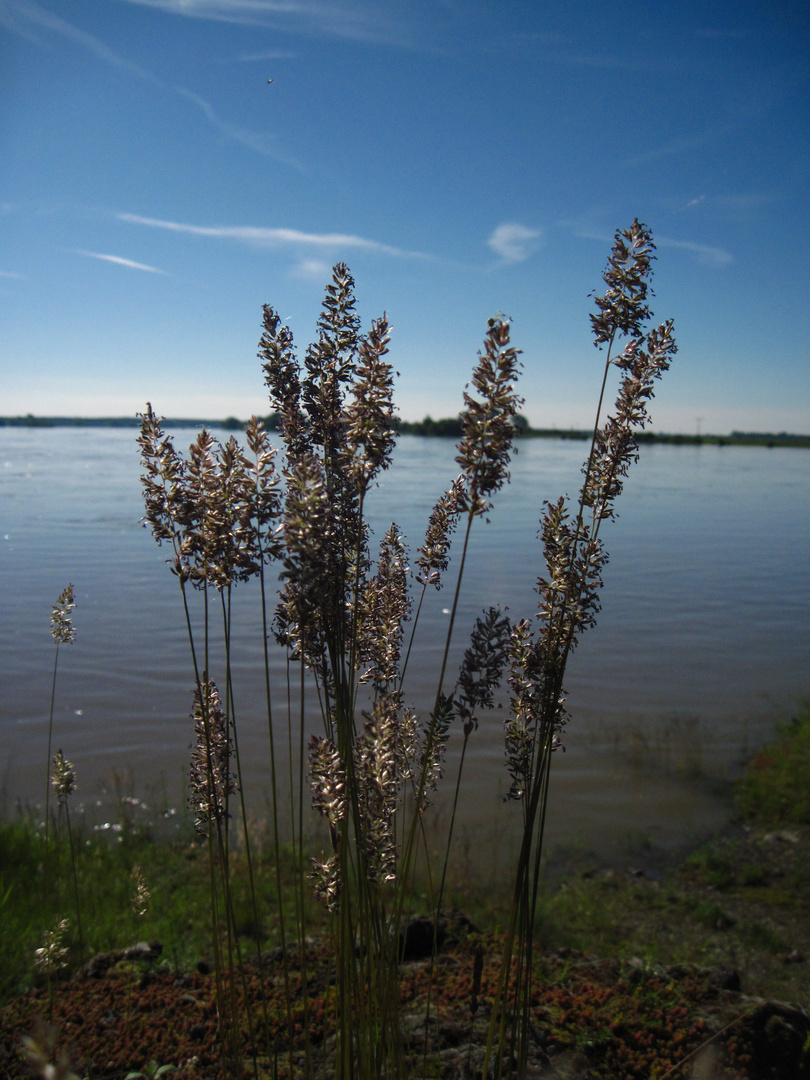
[{"x": 702, "y": 646}]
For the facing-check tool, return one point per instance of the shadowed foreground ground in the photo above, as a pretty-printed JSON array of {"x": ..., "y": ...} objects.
[{"x": 594, "y": 1019}]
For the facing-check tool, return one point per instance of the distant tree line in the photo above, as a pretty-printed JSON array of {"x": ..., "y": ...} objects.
[
  {"x": 450, "y": 426},
  {"x": 447, "y": 427}
]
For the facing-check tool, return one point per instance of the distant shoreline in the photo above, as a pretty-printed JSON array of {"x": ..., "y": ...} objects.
[{"x": 445, "y": 428}]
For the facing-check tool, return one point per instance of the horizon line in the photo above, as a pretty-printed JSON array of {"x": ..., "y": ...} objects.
[{"x": 33, "y": 420}]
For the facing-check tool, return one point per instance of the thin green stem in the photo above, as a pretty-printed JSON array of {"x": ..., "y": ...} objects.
[
  {"x": 50, "y": 749},
  {"x": 454, "y": 607},
  {"x": 75, "y": 885}
]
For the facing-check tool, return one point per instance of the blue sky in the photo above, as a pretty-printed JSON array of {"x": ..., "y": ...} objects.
[{"x": 464, "y": 158}]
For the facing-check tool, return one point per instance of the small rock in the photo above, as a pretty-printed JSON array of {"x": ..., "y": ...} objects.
[
  {"x": 726, "y": 979},
  {"x": 778, "y": 1033},
  {"x": 564, "y": 953},
  {"x": 452, "y": 1033},
  {"x": 782, "y": 837},
  {"x": 144, "y": 951},
  {"x": 416, "y": 938}
]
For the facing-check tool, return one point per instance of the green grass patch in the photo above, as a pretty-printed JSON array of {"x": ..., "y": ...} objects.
[
  {"x": 758, "y": 935},
  {"x": 711, "y": 868},
  {"x": 774, "y": 789},
  {"x": 36, "y": 891}
]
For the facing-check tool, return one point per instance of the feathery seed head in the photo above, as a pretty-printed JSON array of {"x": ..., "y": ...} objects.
[
  {"x": 624, "y": 309},
  {"x": 62, "y": 629},
  {"x": 210, "y": 779},
  {"x": 574, "y": 555},
  {"x": 52, "y": 956},
  {"x": 370, "y": 421},
  {"x": 616, "y": 447},
  {"x": 43, "y": 1056},
  {"x": 328, "y": 783},
  {"x": 338, "y": 321},
  {"x": 383, "y": 608},
  {"x": 200, "y": 509},
  {"x": 432, "y": 557},
  {"x": 569, "y": 596},
  {"x": 63, "y": 777},
  {"x": 262, "y": 496},
  {"x": 282, "y": 377},
  {"x": 325, "y": 879},
  {"x": 487, "y": 420},
  {"x": 537, "y": 712},
  {"x": 376, "y": 758},
  {"x": 307, "y": 534},
  {"x": 434, "y": 743},
  {"x": 482, "y": 666},
  {"x": 141, "y": 896},
  {"x": 330, "y": 362},
  {"x": 163, "y": 481}
]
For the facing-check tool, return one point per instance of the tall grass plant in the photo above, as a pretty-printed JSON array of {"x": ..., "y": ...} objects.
[
  {"x": 343, "y": 734},
  {"x": 346, "y": 617}
]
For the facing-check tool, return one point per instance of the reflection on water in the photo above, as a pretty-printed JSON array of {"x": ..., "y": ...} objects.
[{"x": 701, "y": 647}]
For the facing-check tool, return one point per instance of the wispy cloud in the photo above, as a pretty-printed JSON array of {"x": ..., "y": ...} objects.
[
  {"x": 359, "y": 20},
  {"x": 119, "y": 261},
  {"x": 717, "y": 33},
  {"x": 704, "y": 253},
  {"x": 559, "y": 49},
  {"x": 742, "y": 207},
  {"x": 604, "y": 63},
  {"x": 258, "y": 236},
  {"x": 312, "y": 270},
  {"x": 514, "y": 243},
  {"x": 255, "y": 140},
  {"x": 730, "y": 207},
  {"x": 23, "y": 15},
  {"x": 251, "y": 58},
  {"x": 11, "y": 274},
  {"x": 683, "y": 145}
]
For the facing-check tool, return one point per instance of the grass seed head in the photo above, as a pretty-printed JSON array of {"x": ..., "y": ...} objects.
[
  {"x": 62, "y": 629},
  {"x": 141, "y": 897},
  {"x": 433, "y": 556},
  {"x": 63, "y": 777},
  {"x": 52, "y": 954},
  {"x": 623, "y": 309},
  {"x": 484, "y": 451},
  {"x": 210, "y": 779}
]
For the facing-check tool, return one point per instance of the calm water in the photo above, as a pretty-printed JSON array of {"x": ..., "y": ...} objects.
[{"x": 702, "y": 645}]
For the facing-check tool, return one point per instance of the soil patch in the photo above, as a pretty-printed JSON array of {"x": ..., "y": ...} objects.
[{"x": 708, "y": 978}]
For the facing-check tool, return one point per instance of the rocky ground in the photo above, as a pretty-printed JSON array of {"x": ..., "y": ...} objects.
[{"x": 736, "y": 1011}]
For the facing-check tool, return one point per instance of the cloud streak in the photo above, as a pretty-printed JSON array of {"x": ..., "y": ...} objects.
[
  {"x": 357, "y": 21},
  {"x": 683, "y": 145},
  {"x": 711, "y": 256},
  {"x": 704, "y": 253},
  {"x": 514, "y": 243},
  {"x": 23, "y": 15},
  {"x": 255, "y": 140},
  {"x": 251, "y": 58},
  {"x": 119, "y": 261},
  {"x": 258, "y": 236}
]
